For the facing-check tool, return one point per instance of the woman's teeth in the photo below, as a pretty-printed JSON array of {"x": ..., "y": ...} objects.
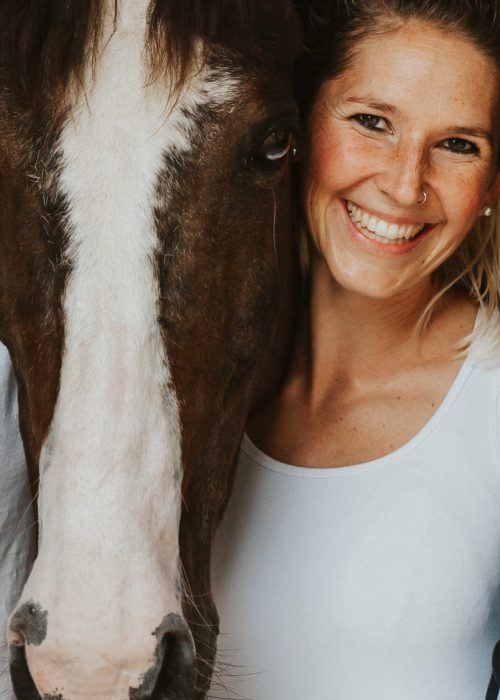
[{"x": 381, "y": 230}]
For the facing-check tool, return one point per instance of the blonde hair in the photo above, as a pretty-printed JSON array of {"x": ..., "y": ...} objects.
[{"x": 474, "y": 269}]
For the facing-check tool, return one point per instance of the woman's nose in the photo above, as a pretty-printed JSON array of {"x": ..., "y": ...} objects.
[{"x": 401, "y": 178}]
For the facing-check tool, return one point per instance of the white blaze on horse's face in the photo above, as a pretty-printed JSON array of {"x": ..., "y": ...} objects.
[{"x": 100, "y": 590}]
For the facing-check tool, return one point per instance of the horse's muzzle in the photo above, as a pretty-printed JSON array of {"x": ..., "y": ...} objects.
[{"x": 171, "y": 677}]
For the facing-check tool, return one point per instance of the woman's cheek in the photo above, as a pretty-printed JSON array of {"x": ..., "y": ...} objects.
[{"x": 464, "y": 195}]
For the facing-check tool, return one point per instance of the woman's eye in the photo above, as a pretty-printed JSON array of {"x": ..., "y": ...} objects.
[
  {"x": 371, "y": 121},
  {"x": 277, "y": 144},
  {"x": 456, "y": 145}
]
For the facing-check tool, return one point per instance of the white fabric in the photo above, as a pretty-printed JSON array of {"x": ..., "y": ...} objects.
[
  {"x": 377, "y": 581},
  {"x": 16, "y": 519}
]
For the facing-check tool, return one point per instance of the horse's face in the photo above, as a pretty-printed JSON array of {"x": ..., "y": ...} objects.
[{"x": 145, "y": 253}]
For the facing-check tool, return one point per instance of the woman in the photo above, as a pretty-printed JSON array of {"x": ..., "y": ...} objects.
[{"x": 359, "y": 554}]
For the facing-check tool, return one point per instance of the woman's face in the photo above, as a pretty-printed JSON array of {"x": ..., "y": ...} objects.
[{"x": 417, "y": 110}]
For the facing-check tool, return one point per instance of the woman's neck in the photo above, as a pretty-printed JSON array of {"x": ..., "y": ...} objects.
[
  {"x": 352, "y": 353},
  {"x": 346, "y": 334}
]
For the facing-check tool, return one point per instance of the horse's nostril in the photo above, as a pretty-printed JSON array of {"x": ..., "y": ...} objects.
[
  {"x": 28, "y": 624},
  {"x": 174, "y": 673},
  {"x": 171, "y": 677}
]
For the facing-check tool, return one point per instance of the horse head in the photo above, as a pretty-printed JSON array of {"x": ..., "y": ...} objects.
[{"x": 147, "y": 277}]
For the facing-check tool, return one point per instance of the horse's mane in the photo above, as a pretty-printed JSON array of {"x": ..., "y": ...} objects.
[{"x": 45, "y": 44}]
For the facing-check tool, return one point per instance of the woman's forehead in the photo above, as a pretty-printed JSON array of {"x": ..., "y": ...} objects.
[{"x": 421, "y": 66}]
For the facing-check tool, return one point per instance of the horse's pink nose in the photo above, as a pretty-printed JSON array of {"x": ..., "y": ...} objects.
[{"x": 172, "y": 674}]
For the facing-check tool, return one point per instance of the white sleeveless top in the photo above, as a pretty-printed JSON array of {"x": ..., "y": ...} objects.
[{"x": 378, "y": 581}]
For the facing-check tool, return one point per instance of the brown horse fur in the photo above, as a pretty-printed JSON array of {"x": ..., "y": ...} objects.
[{"x": 226, "y": 263}]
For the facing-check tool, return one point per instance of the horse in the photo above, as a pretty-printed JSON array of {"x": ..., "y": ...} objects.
[{"x": 148, "y": 280}]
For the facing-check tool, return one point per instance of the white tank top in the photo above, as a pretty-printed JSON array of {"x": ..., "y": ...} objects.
[{"x": 378, "y": 581}]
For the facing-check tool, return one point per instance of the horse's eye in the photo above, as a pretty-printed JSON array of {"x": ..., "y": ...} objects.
[
  {"x": 269, "y": 146},
  {"x": 277, "y": 144}
]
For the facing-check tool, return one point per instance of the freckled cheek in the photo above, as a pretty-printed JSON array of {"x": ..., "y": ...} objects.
[
  {"x": 465, "y": 198},
  {"x": 320, "y": 169},
  {"x": 337, "y": 161},
  {"x": 466, "y": 207}
]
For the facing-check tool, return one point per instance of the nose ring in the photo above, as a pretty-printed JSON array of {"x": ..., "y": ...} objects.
[{"x": 424, "y": 198}]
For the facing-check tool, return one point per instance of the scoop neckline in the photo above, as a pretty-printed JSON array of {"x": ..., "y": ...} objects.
[{"x": 268, "y": 462}]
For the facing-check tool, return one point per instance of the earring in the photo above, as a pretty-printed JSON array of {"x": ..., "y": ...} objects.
[{"x": 487, "y": 211}]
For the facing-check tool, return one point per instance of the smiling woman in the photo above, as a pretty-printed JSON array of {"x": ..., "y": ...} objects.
[
  {"x": 358, "y": 555},
  {"x": 377, "y": 146}
]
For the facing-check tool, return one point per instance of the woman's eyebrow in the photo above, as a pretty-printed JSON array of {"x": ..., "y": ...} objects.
[{"x": 372, "y": 103}]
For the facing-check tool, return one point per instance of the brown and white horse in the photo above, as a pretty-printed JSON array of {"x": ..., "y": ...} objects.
[{"x": 147, "y": 277}]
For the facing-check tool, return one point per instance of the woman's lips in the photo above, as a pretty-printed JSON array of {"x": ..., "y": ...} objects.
[{"x": 400, "y": 238}]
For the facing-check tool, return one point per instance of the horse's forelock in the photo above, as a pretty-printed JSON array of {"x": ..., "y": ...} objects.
[
  {"x": 240, "y": 26},
  {"x": 45, "y": 45}
]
